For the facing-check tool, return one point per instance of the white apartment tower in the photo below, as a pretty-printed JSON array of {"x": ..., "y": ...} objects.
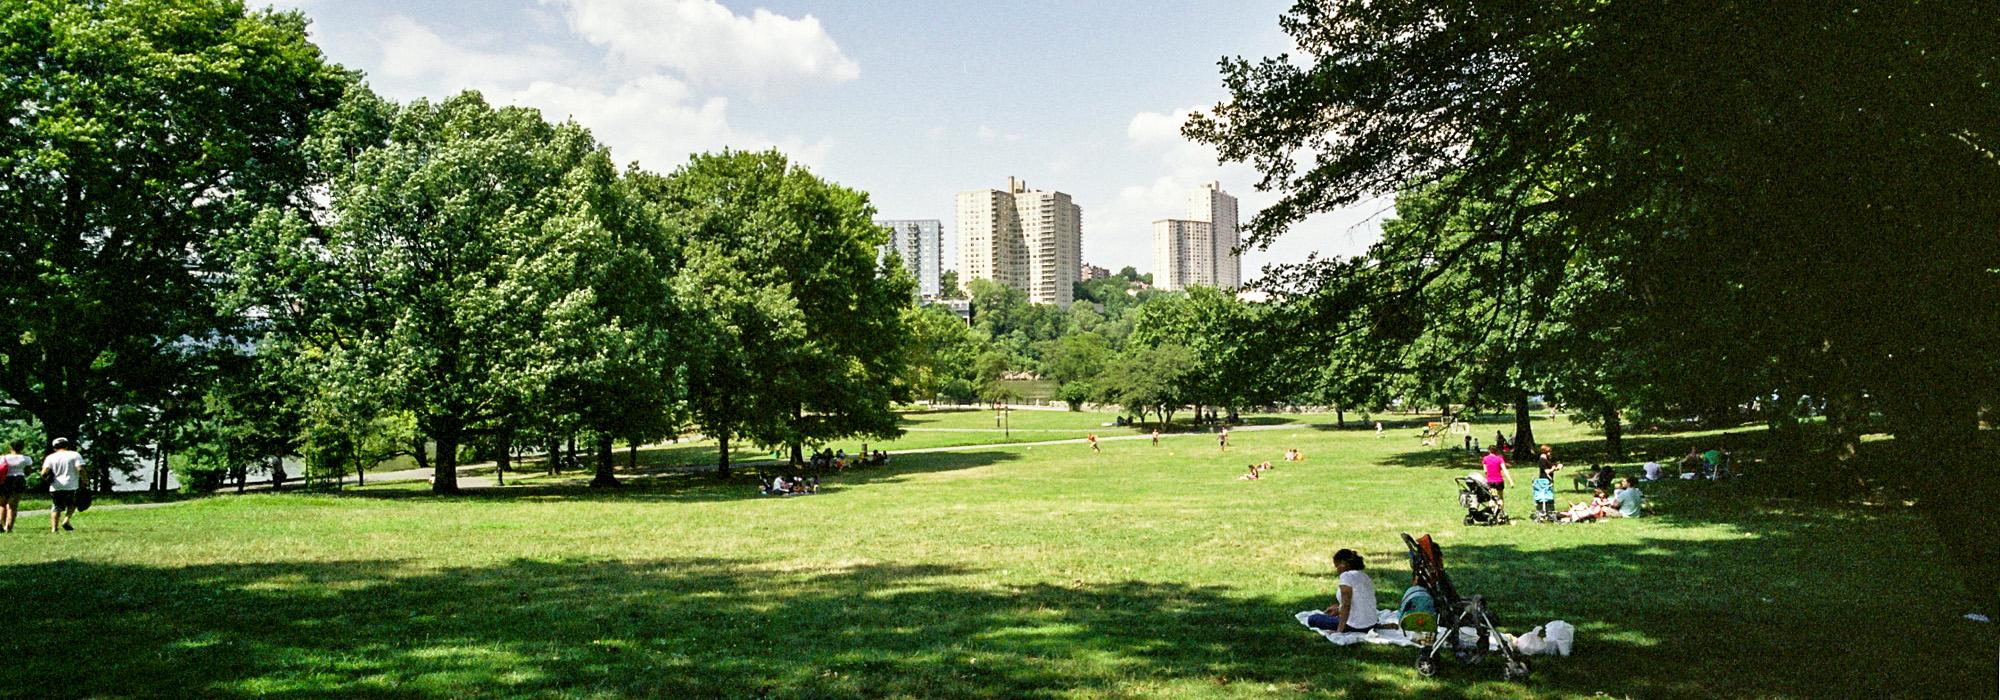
[
  {"x": 920, "y": 242},
  {"x": 1030, "y": 240},
  {"x": 1201, "y": 249}
]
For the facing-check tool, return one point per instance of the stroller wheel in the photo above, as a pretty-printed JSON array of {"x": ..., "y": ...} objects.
[
  {"x": 1516, "y": 670},
  {"x": 1427, "y": 665}
]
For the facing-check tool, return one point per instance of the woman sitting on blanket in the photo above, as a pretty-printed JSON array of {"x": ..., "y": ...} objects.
[
  {"x": 1353, "y": 612},
  {"x": 1586, "y": 512},
  {"x": 1253, "y": 474}
]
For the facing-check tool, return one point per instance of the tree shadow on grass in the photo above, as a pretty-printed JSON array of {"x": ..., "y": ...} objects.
[
  {"x": 692, "y": 486},
  {"x": 1655, "y": 618}
]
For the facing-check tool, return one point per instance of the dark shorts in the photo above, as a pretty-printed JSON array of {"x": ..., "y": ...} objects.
[
  {"x": 1331, "y": 623},
  {"x": 62, "y": 500},
  {"x": 1497, "y": 487},
  {"x": 14, "y": 485}
]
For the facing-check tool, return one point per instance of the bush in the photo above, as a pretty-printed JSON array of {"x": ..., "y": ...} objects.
[{"x": 1075, "y": 394}]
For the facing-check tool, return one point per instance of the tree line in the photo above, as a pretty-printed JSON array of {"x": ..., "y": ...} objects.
[
  {"x": 1650, "y": 211},
  {"x": 224, "y": 247}
]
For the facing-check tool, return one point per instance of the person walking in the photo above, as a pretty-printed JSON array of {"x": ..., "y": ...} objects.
[
  {"x": 15, "y": 465},
  {"x": 1093, "y": 443},
  {"x": 1222, "y": 438},
  {"x": 1156, "y": 437},
  {"x": 1497, "y": 475},
  {"x": 64, "y": 470},
  {"x": 1378, "y": 430}
]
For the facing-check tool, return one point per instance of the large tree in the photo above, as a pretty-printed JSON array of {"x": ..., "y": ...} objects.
[
  {"x": 451, "y": 271},
  {"x": 1780, "y": 183},
  {"x": 809, "y": 332},
  {"x": 135, "y": 131}
]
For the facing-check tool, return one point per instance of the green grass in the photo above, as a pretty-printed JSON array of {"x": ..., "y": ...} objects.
[{"x": 1013, "y": 571}]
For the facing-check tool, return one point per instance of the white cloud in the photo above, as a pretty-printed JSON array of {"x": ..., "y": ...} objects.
[
  {"x": 413, "y": 57},
  {"x": 988, "y": 133},
  {"x": 654, "y": 121},
  {"x": 708, "y": 45}
]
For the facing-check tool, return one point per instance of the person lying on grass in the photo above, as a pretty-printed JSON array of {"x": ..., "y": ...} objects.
[
  {"x": 1353, "y": 608},
  {"x": 1254, "y": 474},
  {"x": 1587, "y": 512}
]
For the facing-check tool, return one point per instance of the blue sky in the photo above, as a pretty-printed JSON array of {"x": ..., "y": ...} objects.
[{"x": 908, "y": 101}]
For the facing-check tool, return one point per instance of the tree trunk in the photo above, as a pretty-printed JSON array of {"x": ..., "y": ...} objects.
[
  {"x": 605, "y": 465},
  {"x": 444, "y": 476},
  {"x": 421, "y": 452},
  {"x": 722, "y": 460},
  {"x": 1339, "y": 417},
  {"x": 572, "y": 447},
  {"x": 632, "y": 457},
  {"x": 1614, "y": 433},
  {"x": 505, "y": 459},
  {"x": 1936, "y": 425},
  {"x": 555, "y": 456},
  {"x": 1524, "y": 428},
  {"x": 277, "y": 473},
  {"x": 160, "y": 469},
  {"x": 1444, "y": 406}
]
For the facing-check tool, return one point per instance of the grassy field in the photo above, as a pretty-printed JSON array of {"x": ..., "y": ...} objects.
[{"x": 995, "y": 571}]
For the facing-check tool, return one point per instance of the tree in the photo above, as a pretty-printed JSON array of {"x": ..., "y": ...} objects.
[
  {"x": 824, "y": 357},
  {"x": 136, "y": 130},
  {"x": 941, "y": 350},
  {"x": 948, "y": 286},
  {"x": 451, "y": 267},
  {"x": 1148, "y": 379},
  {"x": 1656, "y": 141}
]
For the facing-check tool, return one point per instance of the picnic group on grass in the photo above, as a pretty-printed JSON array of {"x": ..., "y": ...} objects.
[{"x": 62, "y": 469}]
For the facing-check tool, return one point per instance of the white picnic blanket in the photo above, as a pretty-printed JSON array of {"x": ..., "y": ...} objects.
[{"x": 1381, "y": 636}]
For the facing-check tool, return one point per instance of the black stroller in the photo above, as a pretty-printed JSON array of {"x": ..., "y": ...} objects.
[
  {"x": 1458, "y": 618},
  {"x": 1482, "y": 506}
]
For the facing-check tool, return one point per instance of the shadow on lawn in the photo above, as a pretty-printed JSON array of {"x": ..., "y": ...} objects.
[
  {"x": 684, "y": 485},
  {"x": 1657, "y": 618},
  {"x": 1745, "y": 442}
]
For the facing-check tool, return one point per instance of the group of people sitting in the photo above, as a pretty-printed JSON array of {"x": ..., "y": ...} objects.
[
  {"x": 794, "y": 486},
  {"x": 1256, "y": 472},
  {"x": 1295, "y": 455},
  {"x": 1624, "y": 503},
  {"x": 837, "y": 460}
]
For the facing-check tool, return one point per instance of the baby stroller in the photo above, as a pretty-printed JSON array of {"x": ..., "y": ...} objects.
[
  {"x": 1545, "y": 500},
  {"x": 1482, "y": 506},
  {"x": 1464, "y": 625}
]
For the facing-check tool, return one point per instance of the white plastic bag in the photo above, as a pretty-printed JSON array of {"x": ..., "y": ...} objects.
[
  {"x": 1531, "y": 643},
  {"x": 1561, "y": 635}
]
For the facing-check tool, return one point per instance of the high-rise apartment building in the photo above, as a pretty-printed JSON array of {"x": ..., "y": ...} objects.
[
  {"x": 920, "y": 242},
  {"x": 1201, "y": 249},
  {"x": 1031, "y": 240}
]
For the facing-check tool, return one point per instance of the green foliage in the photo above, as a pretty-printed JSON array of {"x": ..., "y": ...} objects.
[
  {"x": 450, "y": 276},
  {"x": 818, "y": 348},
  {"x": 941, "y": 350},
  {"x": 134, "y": 130}
]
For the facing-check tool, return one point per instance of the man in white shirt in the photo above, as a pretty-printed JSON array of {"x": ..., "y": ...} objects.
[
  {"x": 1652, "y": 470},
  {"x": 64, "y": 470}
]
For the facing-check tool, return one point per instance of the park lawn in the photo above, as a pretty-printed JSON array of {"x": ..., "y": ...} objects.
[{"x": 1018, "y": 571}]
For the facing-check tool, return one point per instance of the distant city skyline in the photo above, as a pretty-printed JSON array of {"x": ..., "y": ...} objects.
[{"x": 910, "y": 102}]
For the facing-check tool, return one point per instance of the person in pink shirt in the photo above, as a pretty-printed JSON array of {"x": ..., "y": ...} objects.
[{"x": 1498, "y": 477}]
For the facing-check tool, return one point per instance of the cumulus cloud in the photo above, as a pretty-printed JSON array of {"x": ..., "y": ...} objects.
[
  {"x": 414, "y": 58},
  {"x": 709, "y": 45},
  {"x": 656, "y": 121}
]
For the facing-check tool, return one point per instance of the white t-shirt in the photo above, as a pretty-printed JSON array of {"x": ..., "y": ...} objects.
[
  {"x": 63, "y": 465},
  {"x": 17, "y": 465},
  {"x": 1361, "y": 611},
  {"x": 1652, "y": 471}
]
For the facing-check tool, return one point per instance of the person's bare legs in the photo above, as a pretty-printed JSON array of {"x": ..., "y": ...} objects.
[
  {"x": 55, "y": 519},
  {"x": 10, "y": 509}
]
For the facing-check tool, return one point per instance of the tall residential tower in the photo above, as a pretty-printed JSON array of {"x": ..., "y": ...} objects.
[
  {"x": 920, "y": 242},
  {"x": 1030, "y": 240},
  {"x": 1201, "y": 249}
]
